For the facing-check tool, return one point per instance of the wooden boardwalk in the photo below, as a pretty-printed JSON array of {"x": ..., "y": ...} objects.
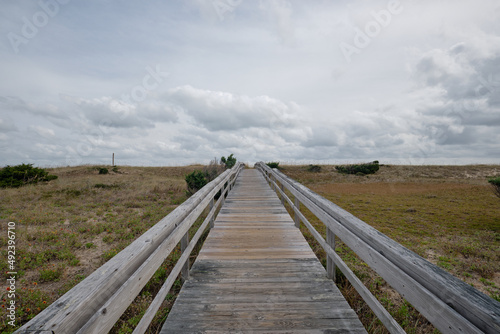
[{"x": 256, "y": 273}]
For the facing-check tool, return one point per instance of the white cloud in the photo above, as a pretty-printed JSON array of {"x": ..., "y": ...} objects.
[{"x": 217, "y": 111}]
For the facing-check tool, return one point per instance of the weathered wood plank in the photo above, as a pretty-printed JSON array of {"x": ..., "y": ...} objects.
[{"x": 256, "y": 272}]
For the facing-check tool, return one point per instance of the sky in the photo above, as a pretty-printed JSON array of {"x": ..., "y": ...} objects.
[{"x": 166, "y": 83}]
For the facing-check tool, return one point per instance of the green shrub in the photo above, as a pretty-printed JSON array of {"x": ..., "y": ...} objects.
[
  {"x": 273, "y": 164},
  {"x": 495, "y": 183},
  {"x": 195, "y": 181},
  {"x": 361, "y": 169},
  {"x": 17, "y": 176},
  {"x": 103, "y": 170},
  {"x": 314, "y": 168},
  {"x": 230, "y": 161}
]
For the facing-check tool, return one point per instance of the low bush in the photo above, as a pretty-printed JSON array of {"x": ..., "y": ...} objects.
[
  {"x": 495, "y": 183},
  {"x": 195, "y": 181},
  {"x": 314, "y": 168},
  {"x": 103, "y": 170},
  {"x": 273, "y": 164},
  {"x": 20, "y": 175},
  {"x": 361, "y": 169}
]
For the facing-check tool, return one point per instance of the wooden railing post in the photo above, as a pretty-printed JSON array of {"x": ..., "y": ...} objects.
[
  {"x": 330, "y": 265},
  {"x": 212, "y": 220},
  {"x": 296, "y": 217},
  {"x": 282, "y": 197},
  {"x": 185, "y": 268}
]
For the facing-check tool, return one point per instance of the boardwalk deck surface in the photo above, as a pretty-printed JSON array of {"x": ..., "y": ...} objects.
[{"x": 256, "y": 273}]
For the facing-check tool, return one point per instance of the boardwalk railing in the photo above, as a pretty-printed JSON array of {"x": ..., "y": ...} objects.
[
  {"x": 96, "y": 303},
  {"x": 450, "y": 304}
]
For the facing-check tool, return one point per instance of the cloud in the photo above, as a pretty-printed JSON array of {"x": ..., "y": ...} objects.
[
  {"x": 7, "y": 125},
  {"x": 110, "y": 112},
  {"x": 42, "y": 131},
  {"x": 279, "y": 13},
  {"x": 218, "y": 111}
]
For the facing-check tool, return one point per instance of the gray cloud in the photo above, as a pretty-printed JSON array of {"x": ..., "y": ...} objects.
[{"x": 218, "y": 111}]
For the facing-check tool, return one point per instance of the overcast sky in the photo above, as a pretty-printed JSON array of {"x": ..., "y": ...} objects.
[{"x": 179, "y": 82}]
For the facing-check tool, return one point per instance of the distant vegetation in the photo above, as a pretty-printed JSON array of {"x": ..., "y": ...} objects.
[
  {"x": 198, "y": 179},
  {"x": 273, "y": 164},
  {"x": 361, "y": 169},
  {"x": 20, "y": 175},
  {"x": 229, "y": 162},
  {"x": 495, "y": 182},
  {"x": 314, "y": 168}
]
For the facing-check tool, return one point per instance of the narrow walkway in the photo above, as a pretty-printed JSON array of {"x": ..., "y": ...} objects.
[{"x": 256, "y": 273}]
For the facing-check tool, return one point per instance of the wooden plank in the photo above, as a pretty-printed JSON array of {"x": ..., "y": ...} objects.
[{"x": 256, "y": 272}]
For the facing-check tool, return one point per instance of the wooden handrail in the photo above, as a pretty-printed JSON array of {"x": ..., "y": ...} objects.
[
  {"x": 448, "y": 303},
  {"x": 96, "y": 303}
]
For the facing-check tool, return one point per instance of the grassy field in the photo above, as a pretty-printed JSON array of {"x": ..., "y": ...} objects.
[
  {"x": 446, "y": 214},
  {"x": 67, "y": 228}
]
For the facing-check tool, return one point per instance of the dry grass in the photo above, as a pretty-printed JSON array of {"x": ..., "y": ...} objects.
[
  {"x": 67, "y": 228},
  {"x": 447, "y": 214}
]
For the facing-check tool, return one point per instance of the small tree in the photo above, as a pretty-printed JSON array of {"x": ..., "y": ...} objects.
[
  {"x": 495, "y": 182},
  {"x": 229, "y": 162}
]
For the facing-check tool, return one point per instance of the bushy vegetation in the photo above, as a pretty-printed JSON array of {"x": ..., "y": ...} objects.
[
  {"x": 195, "y": 181},
  {"x": 20, "y": 175},
  {"x": 361, "y": 169},
  {"x": 199, "y": 178},
  {"x": 230, "y": 161},
  {"x": 314, "y": 168},
  {"x": 103, "y": 170},
  {"x": 495, "y": 182},
  {"x": 273, "y": 164}
]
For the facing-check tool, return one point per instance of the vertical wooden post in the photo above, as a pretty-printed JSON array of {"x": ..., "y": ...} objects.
[
  {"x": 282, "y": 196},
  {"x": 212, "y": 220},
  {"x": 330, "y": 265},
  {"x": 113, "y": 161},
  {"x": 185, "y": 268},
  {"x": 296, "y": 218}
]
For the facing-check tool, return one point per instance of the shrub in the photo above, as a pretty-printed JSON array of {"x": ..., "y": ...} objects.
[
  {"x": 495, "y": 183},
  {"x": 195, "y": 181},
  {"x": 17, "y": 176},
  {"x": 213, "y": 170},
  {"x": 230, "y": 161},
  {"x": 103, "y": 170},
  {"x": 273, "y": 164},
  {"x": 362, "y": 169},
  {"x": 314, "y": 168}
]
